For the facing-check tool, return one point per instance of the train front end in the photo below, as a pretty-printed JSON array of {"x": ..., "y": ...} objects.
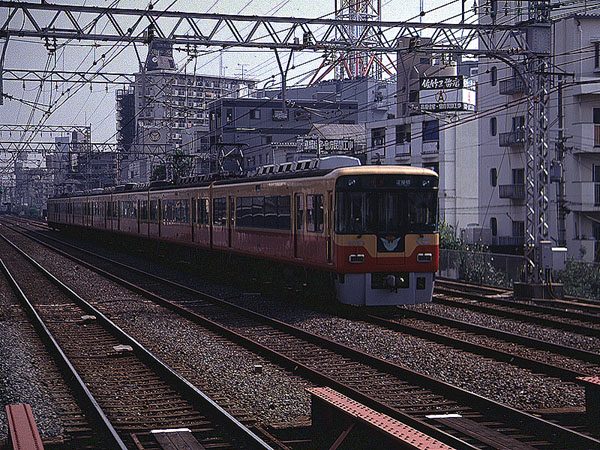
[{"x": 386, "y": 240}]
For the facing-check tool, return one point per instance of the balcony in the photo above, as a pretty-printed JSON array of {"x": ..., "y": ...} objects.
[
  {"x": 513, "y": 241},
  {"x": 586, "y": 138},
  {"x": 403, "y": 150},
  {"x": 512, "y": 86},
  {"x": 430, "y": 148},
  {"x": 512, "y": 191},
  {"x": 515, "y": 138},
  {"x": 586, "y": 197}
]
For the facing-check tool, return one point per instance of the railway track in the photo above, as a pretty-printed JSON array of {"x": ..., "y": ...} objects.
[
  {"x": 579, "y": 311},
  {"x": 406, "y": 395},
  {"x": 125, "y": 390}
]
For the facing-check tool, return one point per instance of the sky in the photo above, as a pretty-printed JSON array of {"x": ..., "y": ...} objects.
[{"x": 94, "y": 105}]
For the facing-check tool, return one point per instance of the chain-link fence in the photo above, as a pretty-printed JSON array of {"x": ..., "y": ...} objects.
[
  {"x": 480, "y": 268},
  {"x": 580, "y": 279}
]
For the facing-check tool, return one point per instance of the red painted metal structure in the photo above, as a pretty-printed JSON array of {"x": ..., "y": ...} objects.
[
  {"x": 23, "y": 432},
  {"x": 329, "y": 407}
]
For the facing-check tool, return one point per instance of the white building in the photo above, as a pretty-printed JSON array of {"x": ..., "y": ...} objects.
[{"x": 502, "y": 103}]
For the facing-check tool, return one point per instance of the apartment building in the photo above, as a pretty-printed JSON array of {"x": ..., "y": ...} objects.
[
  {"x": 166, "y": 101},
  {"x": 502, "y": 101}
]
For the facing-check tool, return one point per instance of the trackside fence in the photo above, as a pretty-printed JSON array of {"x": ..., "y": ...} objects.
[
  {"x": 492, "y": 269},
  {"x": 580, "y": 279}
]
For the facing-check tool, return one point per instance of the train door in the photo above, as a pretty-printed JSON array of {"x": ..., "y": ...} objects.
[
  {"x": 159, "y": 217},
  {"x": 298, "y": 226},
  {"x": 230, "y": 221},
  {"x": 329, "y": 227},
  {"x": 193, "y": 217}
]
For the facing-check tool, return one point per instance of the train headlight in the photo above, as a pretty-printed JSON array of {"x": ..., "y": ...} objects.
[
  {"x": 424, "y": 257},
  {"x": 356, "y": 259}
]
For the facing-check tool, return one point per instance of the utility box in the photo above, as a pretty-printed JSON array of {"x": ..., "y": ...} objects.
[
  {"x": 546, "y": 254},
  {"x": 559, "y": 260}
]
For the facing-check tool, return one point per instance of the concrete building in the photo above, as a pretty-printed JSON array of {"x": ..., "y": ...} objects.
[
  {"x": 166, "y": 101},
  {"x": 429, "y": 133},
  {"x": 502, "y": 163},
  {"x": 376, "y": 98},
  {"x": 265, "y": 130}
]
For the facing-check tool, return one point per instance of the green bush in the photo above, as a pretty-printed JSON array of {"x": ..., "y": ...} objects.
[
  {"x": 474, "y": 263},
  {"x": 580, "y": 279}
]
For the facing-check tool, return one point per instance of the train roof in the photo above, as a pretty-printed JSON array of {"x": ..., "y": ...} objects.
[{"x": 334, "y": 166}]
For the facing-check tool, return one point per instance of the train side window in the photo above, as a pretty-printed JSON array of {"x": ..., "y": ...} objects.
[
  {"x": 284, "y": 212},
  {"x": 144, "y": 210},
  {"x": 258, "y": 212},
  {"x": 154, "y": 211},
  {"x": 182, "y": 211},
  {"x": 271, "y": 212},
  {"x": 299, "y": 211},
  {"x": 202, "y": 211},
  {"x": 314, "y": 213},
  {"x": 219, "y": 211}
]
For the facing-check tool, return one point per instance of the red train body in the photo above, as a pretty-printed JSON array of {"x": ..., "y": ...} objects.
[{"x": 372, "y": 227}]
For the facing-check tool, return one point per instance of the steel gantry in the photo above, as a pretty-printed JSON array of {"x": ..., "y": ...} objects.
[{"x": 527, "y": 42}]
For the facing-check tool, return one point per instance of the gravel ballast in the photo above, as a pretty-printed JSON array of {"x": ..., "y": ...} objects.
[{"x": 508, "y": 384}]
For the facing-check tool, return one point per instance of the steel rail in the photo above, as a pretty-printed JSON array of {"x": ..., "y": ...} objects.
[
  {"x": 560, "y": 312},
  {"x": 514, "y": 314},
  {"x": 583, "y": 355},
  {"x": 517, "y": 417},
  {"x": 190, "y": 392},
  {"x": 479, "y": 349},
  {"x": 87, "y": 400}
]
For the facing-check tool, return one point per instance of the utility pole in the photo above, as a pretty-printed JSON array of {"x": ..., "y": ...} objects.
[
  {"x": 559, "y": 166},
  {"x": 537, "y": 164}
]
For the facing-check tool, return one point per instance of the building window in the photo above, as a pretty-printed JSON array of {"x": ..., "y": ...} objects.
[
  {"x": 596, "y": 113},
  {"x": 229, "y": 115},
  {"x": 494, "y": 226},
  {"x": 378, "y": 137},
  {"x": 255, "y": 114},
  {"x": 493, "y": 177},
  {"x": 431, "y": 130},
  {"x": 596, "y": 232},
  {"x": 597, "y": 55},
  {"x": 493, "y": 126},
  {"x": 518, "y": 228},
  {"x": 494, "y": 75},
  {"x": 596, "y": 179},
  {"x": 518, "y": 176},
  {"x": 402, "y": 134},
  {"x": 518, "y": 123}
]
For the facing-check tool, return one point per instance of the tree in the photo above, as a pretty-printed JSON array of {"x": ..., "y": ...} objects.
[{"x": 159, "y": 173}]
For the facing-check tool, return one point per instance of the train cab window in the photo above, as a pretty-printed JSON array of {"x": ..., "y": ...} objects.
[
  {"x": 115, "y": 210},
  {"x": 220, "y": 211},
  {"x": 314, "y": 213},
  {"x": 144, "y": 210},
  {"x": 154, "y": 211},
  {"x": 202, "y": 211}
]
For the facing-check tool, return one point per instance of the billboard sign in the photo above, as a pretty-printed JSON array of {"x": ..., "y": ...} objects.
[{"x": 448, "y": 93}]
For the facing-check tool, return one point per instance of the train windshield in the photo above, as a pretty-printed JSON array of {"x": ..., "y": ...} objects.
[{"x": 373, "y": 211}]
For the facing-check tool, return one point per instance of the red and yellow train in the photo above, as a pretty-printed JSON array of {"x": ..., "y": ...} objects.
[{"x": 373, "y": 228}]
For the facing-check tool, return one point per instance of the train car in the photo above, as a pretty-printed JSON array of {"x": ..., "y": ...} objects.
[{"x": 372, "y": 228}]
